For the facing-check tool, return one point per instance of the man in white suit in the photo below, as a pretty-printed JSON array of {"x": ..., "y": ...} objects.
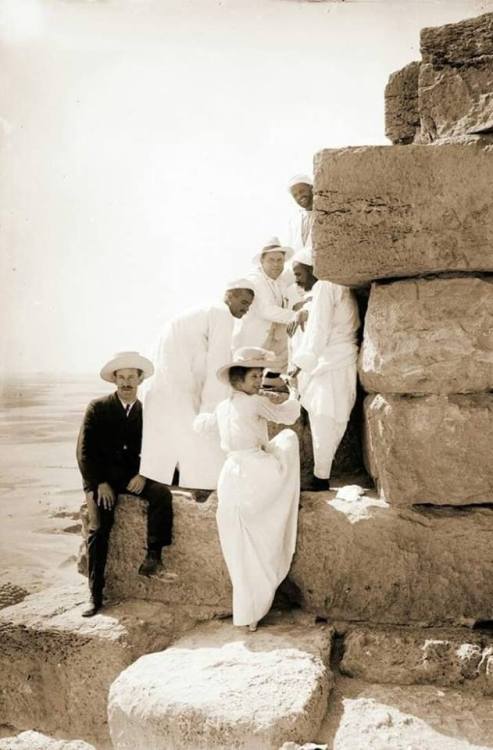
[{"x": 191, "y": 349}]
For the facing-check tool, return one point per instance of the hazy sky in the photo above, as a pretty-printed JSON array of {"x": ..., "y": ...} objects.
[{"x": 145, "y": 147}]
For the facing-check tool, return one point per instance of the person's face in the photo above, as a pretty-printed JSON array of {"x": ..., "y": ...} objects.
[
  {"x": 303, "y": 195},
  {"x": 302, "y": 275},
  {"x": 252, "y": 382},
  {"x": 239, "y": 301},
  {"x": 273, "y": 264},
  {"x": 127, "y": 381}
]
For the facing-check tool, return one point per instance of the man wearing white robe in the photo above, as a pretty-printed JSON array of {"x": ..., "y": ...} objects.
[
  {"x": 191, "y": 349},
  {"x": 300, "y": 226},
  {"x": 325, "y": 362}
]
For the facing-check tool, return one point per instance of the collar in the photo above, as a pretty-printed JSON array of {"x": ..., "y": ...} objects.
[{"x": 124, "y": 405}]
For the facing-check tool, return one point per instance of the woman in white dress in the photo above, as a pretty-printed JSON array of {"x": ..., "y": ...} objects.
[{"x": 259, "y": 485}]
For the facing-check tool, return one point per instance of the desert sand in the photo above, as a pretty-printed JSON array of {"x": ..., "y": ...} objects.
[{"x": 40, "y": 486}]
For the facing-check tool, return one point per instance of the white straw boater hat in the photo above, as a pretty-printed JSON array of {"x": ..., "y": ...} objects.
[
  {"x": 303, "y": 256},
  {"x": 273, "y": 245},
  {"x": 126, "y": 359},
  {"x": 248, "y": 356}
]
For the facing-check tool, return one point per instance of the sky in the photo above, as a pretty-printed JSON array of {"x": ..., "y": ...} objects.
[{"x": 145, "y": 147}]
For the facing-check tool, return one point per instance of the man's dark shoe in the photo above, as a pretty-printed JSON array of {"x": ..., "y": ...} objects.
[
  {"x": 151, "y": 564},
  {"x": 92, "y": 609},
  {"x": 319, "y": 485}
]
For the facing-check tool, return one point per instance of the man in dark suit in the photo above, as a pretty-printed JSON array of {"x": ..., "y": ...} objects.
[{"x": 108, "y": 454}]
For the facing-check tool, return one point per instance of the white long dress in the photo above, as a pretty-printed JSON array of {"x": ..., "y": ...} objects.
[
  {"x": 190, "y": 351},
  {"x": 258, "y": 496}
]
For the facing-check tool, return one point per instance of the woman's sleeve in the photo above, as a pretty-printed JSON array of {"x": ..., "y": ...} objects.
[
  {"x": 320, "y": 319},
  {"x": 285, "y": 413}
]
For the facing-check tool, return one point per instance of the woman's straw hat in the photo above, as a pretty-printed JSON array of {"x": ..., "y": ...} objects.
[{"x": 248, "y": 356}]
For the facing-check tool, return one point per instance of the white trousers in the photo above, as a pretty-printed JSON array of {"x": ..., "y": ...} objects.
[{"x": 327, "y": 433}]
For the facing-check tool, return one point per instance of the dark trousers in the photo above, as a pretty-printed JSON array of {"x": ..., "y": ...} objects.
[{"x": 159, "y": 529}]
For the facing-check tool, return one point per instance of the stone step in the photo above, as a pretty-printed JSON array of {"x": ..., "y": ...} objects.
[
  {"x": 410, "y": 656},
  {"x": 56, "y": 667},
  {"x": 392, "y": 717},
  {"x": 357, "y": 559},
  {"x": 31, "y": 740},
  {"x": 221, "y": 687},
  {"x": 429, "y": 336},
  {"x": 401, "y": 211},
  {"x": 431, "y": 449}
]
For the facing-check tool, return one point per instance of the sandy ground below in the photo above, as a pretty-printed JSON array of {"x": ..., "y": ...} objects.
[{"x": 40, "y": 486}]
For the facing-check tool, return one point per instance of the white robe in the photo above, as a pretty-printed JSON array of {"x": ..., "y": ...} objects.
[
  {"x": 190, "y": 351},
  {"x": 258, "y": 497},
  {"x": 265, "y": 323},
  {"x": 327, "y": 354},
  {"x": 300, "y": 229}
]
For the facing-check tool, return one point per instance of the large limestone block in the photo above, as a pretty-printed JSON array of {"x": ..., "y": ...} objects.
[
  {"x": 456, "y": 79},
  {"x": 56, "y": 666},
  {"x": 221, "y": 687},
  {"x": 408, "y": 656},
  {"x": 194, "y": 573},
  {"x": 459, "y": 43},
  {"x": 413, "y": 718},
  {"x": 401, "y": 104},
  {"x": 429, "y": 336},
  {"x": 400, "y": 211},
  {"x": 36, "y": 741},
  {"x": 455, "y": 101},
  {"x": 362, "y": 560},
  {"x": 431, "y": 449}
]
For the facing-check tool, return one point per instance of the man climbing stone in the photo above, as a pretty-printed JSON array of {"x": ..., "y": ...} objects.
[{"x": 108, "y": 454}]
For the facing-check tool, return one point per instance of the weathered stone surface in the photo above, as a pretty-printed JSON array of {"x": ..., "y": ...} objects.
[
  {"x": 222, "y": 687},
  {"x": 431, "y": 449},
  {"x": 194, "y": 571},
  {"x": 361, "y": 560},
  {"x": 455, "y": 100},
  {"x": 35, "y": 741},
  {"x": 306, "y": 746},
  {"x": 458, "y": 43},
  {"x": 429, "y": 336},
  {"x": 413, "y": 718},
  {"x": 401, "y": 104},
  {"x": 408, "y": 656},
  {"x": 400, "y": 211},
  {"x": 56, "y": 667}
]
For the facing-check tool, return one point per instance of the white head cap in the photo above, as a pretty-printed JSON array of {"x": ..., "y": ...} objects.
[
  {"x": 303, "y": 256},
  {"x": 299, "y": 179},
  {"x": 240, "y": 284}
]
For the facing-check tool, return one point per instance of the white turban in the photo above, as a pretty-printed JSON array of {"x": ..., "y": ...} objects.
[
  {"x": 303, "y": 256},
  {"x": 240, "y": 284},
  {"x": 300, "y": 179}
]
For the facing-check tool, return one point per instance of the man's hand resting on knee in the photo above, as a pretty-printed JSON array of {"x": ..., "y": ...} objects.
[
  {"x": 106, "y": 496},
  {"x": 136, "y": 484}
]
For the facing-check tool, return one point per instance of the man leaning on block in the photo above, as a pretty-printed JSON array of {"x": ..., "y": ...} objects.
[{"x": 108, "y": 454}]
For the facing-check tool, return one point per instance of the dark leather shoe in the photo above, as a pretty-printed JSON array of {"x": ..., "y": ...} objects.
[
  {"x": 92, "y": 609},
  {"x": 151, "y": 564},
  {"x": 319, "y": 485}
]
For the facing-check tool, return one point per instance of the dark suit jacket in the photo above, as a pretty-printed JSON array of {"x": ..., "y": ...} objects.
[{"x": 109, "y": 444}]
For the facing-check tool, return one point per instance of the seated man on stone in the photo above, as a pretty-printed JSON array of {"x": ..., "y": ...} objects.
[{"x": 108, "y": 454}]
